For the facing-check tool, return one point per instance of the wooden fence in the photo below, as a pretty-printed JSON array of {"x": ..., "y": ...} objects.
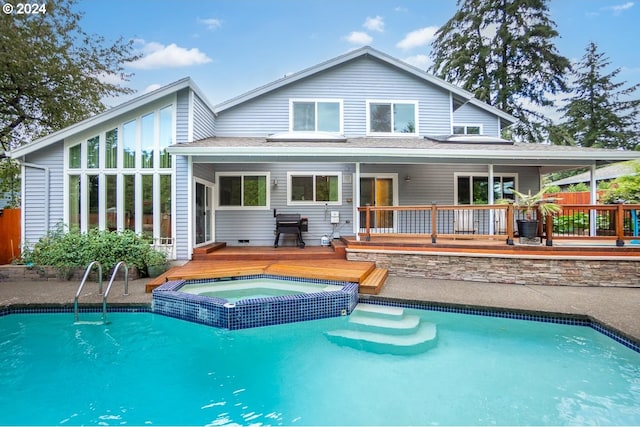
[{"x": 9, "y": 235}]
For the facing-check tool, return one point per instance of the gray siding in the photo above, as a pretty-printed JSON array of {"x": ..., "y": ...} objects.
[
  {"x": 36, "y": 193},
  {"x": 470, "y": 114},
  {"x": 183, "y": 251},
  {"x": 257, "y": 226},
  {"x": 429, "y": 183},
  {"x": 182, "y": 116},
  {"x": 203, "y": 120},
  {"x": 354, "y": 82}
]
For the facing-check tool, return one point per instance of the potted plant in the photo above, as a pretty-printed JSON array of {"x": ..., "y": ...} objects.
[
  {"x": 155, "y": 262},
  {"x": 528, "y": 227}
]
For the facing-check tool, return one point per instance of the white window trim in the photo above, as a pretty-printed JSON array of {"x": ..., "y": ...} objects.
[
  {"x": 467, "y": 125},
  {"x": 316, "y": 101},
  {"x": 393, "y": 101},
  {"x": 241, "y": 207},
  {"x": 119, "y": 171},
  {"x": 313, "y": 174},
  {"x": 479, "y": 174}
]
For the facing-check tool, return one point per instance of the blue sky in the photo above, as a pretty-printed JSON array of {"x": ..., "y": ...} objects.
[{"x": 232, "y": 46}]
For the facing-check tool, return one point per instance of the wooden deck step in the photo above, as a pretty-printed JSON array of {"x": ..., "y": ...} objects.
[
  {"x": 373, "y": 282},
  {"x": 207, "y": 249},
  {"x": 354, "y": 272}
]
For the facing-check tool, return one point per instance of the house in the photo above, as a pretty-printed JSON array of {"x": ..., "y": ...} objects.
[
  {"x": 605, "y": 173},
  {"x": 360, "y": 129}
]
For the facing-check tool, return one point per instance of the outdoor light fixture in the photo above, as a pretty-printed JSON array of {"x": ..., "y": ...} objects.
[{"x": 407, "y": 178}]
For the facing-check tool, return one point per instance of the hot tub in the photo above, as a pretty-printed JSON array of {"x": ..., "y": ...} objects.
[
  {"x": 253, "y": 301},
  {"x": 234, "y": 290}
]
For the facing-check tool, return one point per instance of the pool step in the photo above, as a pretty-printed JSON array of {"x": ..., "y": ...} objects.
[
  {"x": 385, "y": 329},
  {"x": 422, "y": 339}
]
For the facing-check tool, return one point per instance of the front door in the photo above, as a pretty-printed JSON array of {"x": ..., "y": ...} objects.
[
  {"x": 377, "y": 191},
  {"x": 204, "y": 213}
]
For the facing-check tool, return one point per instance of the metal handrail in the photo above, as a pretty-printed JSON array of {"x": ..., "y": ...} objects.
[
  {"x": 106, "y": 292},
  {"x": 84, "y": 279}
]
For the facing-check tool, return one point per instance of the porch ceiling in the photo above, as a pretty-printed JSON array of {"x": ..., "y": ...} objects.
[{"x": 394, "y": 150}]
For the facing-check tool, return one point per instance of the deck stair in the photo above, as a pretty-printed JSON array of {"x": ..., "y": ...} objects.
[
  {"x": 383, "y": 329},
  {"x": 373, "y": 282}
]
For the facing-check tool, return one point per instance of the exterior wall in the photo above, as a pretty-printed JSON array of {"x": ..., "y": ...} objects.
[
  {"x": 182, "y": 116},
  {"x": 257, "y": 226},
  {"x": 471, "y": 114},
  {"x": 429, "y": 183},
  {"x": 204, "y": 123},
  {"x": 354, "y": 82},
  {"x": 35, "y": 194},
  {"x": 502, "y": 269},
  {"x": 436, "y": 183},
  {"x": 182, "y": 183}
]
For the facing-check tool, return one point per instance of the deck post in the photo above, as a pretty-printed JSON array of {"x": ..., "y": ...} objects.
[
  {"x": 549, "y": 229},
  {"x": 434, "y": 222},
  {"x": 367, "y": 222},
  {"x": 509, "y": 224},
  {"x": 620, "y": 225}
]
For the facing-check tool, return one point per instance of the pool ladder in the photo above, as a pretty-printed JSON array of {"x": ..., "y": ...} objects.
[{"x": 106, "y": 293}]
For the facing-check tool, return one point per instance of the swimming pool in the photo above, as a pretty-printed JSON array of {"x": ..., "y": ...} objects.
[{"x": 149, "y": 369}]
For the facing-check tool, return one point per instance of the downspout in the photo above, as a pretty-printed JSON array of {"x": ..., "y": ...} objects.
[{"x": 45, "y": 169}]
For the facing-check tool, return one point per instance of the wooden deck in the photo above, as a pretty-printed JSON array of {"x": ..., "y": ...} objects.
[
  {"x": 335, "y": 269},
  {"x": 561, "y": 247}
]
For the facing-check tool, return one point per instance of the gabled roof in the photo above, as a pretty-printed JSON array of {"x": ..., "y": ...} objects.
[
  {"x": 365, "y": 51},
  {"x": 109, "y": 114}
]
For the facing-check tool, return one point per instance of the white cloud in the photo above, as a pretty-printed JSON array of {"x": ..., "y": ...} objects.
[
  {"x": 417, "y": 38},
  {"x": 358, "y": 37},
  {"x": 211, "y": 23},
  {"x": 618, "y": 9},
  {"x": 157, "y": 55},
  {"x": 421, "y": 61},
  {"x": 374, "y": 24},
  {"x": 401, "y": 9}
]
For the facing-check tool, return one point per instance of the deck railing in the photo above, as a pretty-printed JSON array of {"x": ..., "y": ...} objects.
[{"x": 618, "y": 222}]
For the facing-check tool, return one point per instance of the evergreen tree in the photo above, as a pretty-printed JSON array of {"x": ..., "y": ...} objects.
[
  {"x": 600, "y": 113},
  {"x": 52, "y": 73},
  {"x": 502, "y": 51}
]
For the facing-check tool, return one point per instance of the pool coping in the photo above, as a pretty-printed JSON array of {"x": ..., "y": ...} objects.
[{"x": 577, "y": 319}]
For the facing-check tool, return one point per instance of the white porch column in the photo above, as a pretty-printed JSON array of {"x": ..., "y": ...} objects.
[
  {"x": 490, "y": 199},
  {"x": 356, "y": 204},
  {"x": 593, "y": 200},
  {"x": 190, "y": 207}
]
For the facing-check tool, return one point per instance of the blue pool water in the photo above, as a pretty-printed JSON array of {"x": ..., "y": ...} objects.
[{"x": 148, "y": 369}]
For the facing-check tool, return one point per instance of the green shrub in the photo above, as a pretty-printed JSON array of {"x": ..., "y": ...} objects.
[
  {"x": 580, "y": 186},
  {"x": 67, "y": 249},
  {"x": 552, "y": 189},
  {"x": 569, "y": 224}
]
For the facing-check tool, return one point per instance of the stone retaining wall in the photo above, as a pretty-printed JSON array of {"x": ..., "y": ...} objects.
[{"x": 573, "y": 271}]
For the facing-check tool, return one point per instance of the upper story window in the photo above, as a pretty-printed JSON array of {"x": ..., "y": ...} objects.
[
  {"x": 385, "y": 118},
  {"x": 467, "y": 129},
  {"x": 321, "y": 115}
]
